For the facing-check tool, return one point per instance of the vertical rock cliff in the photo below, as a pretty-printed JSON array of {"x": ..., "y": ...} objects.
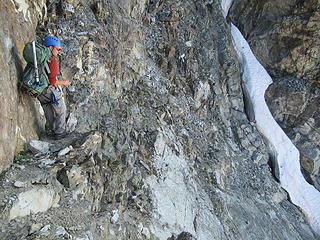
[
  {"x": 20, "y": 118},
  {"x": 161, "y": 147},
  {"x": 284, "y": 35}
]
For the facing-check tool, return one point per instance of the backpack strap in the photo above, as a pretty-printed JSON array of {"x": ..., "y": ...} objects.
[{"x": 46, "y": 66}]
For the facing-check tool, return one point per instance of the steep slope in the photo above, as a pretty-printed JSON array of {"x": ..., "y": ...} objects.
[
  {"x": 284, "y": 36},
  {"x": 163, "y": 148}
]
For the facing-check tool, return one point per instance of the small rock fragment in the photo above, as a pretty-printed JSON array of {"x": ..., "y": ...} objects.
[
  {"x": 45, "y": 231},
  {"x": 65, "y": 151},
  {"x": 115, "y": 216},
  {"x": 145, "y": 231},
  {"x": 36, "y": 146},
  {"x": 19, "y": 184},
  {"x": 35, "y": 228},
  {"x": 61, "y": 231}
]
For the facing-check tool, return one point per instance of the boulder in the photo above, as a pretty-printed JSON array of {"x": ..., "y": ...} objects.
[
  {"x": 36, "y": 146},
  {"x": 33, "y": 201}
]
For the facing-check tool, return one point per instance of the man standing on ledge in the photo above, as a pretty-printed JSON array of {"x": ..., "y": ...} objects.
[{"x": 52, "y": 99}]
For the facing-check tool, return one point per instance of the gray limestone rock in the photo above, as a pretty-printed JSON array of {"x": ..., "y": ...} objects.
[
  {"x": 36, "y": 146},
  {"x": 160, "y": 133}
]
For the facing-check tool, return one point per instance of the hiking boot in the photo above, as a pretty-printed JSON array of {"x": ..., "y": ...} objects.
[
  {"x": 47, "y": 135},
  {"x": 60, "y": 135}
]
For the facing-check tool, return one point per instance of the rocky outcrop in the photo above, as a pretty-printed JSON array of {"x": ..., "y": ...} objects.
[
  {"x": 20, "y": 120},
  {"x": 162, "y": 148},
  {"x": 78, "y": 193},
  {"x": 284, "y": 35},
  {"x": 285, "y": 156}
]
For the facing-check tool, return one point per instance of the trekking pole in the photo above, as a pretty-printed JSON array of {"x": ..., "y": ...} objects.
[{"x": 35, "y": 61}]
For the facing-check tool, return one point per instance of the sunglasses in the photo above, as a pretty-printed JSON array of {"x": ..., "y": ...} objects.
[{"x": 58, "y": 49}]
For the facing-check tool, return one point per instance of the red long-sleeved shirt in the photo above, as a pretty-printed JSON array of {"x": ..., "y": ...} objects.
[{"x": 53, "y": 66}]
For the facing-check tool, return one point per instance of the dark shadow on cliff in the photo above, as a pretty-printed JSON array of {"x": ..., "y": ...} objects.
[{"x": 23, "y": 97}]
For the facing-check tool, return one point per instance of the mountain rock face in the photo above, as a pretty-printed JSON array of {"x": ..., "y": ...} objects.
[
  {"x": 160, "y": 146},
  {"x": 20, "y": 117},
  {"x": 284, "y": 35}
]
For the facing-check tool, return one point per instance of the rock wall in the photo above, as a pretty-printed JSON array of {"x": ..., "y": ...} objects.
[
  {"x": 161, "y": 147},
  {"x": 284, "y": 35},
  {"x": 20, "y": 120}
]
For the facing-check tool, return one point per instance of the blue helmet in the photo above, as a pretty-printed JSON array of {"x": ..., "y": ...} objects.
[{"x": 52, "y": 41}]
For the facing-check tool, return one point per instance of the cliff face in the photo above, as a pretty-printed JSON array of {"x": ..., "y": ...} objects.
[
  {"x": 284, "y": 35},
  {"x": 20, "y": 118},
  {"x": 162, "y": 148}
]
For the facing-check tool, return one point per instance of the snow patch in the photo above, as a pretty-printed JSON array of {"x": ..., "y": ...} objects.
[
  {"x": 256, "y": 80},
  {"x": 225, "y": 5}
]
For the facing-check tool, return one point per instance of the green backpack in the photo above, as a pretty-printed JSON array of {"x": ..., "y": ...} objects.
[{"x": 35, "y": 79}]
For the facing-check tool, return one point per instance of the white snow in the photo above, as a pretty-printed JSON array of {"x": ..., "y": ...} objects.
[
  {"x": 256, "y": 80},
  {"x": 225, "y": 5}
]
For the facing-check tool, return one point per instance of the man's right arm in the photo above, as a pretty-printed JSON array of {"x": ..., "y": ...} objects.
[{"x": 64, "y": 82}]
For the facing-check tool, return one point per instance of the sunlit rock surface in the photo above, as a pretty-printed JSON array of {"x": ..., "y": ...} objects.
[
  {"x": 20, "y": 118},
  {"x": 162, "y": 147}
]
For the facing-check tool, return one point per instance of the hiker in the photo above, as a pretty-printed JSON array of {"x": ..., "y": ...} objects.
[{"x": 52, "y": 99}]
